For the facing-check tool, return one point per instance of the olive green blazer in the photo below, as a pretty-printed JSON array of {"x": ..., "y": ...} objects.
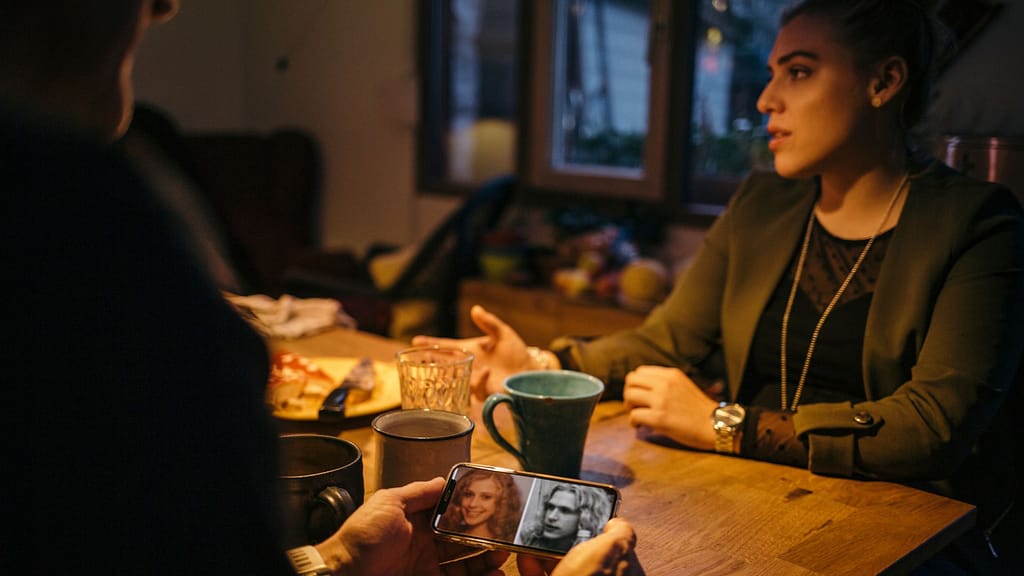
[{"x": 944, "y": 333}]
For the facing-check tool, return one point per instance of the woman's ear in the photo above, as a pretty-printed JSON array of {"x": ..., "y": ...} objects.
[{"x": 888, "y": 78}]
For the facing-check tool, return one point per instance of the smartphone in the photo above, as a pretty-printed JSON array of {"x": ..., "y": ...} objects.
[{"x": 498, "y": 508}]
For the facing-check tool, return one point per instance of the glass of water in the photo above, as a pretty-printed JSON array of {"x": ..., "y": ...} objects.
[{"x": 434, "y": 377}]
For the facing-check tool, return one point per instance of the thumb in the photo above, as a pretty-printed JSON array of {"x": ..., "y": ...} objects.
[{"x": 419, "y": 496}]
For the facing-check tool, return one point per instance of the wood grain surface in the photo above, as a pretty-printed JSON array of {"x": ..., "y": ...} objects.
[{"x": 704, "y": 513}]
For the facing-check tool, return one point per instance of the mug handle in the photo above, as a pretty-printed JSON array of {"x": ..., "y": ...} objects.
[
  {"x": 490, "y": 404},
  {"x": 339, "y": 505}
]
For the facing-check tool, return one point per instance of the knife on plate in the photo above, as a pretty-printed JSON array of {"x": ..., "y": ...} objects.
[{"x": 361, "y": 377}]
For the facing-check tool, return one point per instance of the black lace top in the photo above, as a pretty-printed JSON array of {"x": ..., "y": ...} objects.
[{"x": 835, "y": 373}]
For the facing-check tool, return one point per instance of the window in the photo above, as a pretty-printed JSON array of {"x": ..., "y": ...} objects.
[
  {"x": 469, "y": 103},
  {"x": 596, "y": 100},
  {"x": 727, "y": 136},
  {"x": 643, "y": 100}
]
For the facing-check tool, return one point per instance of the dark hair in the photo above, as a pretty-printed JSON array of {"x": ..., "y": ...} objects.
[
  {"x": 507, "y": 510},
  {"x": 877, "y": 29}
]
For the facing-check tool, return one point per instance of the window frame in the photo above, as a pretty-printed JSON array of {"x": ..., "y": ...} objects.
[
  {"x": 609, "y": 182},
  {"x": 666, "y": 187}
]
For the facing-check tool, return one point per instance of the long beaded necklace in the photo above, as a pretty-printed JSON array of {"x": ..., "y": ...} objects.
[{"x": 828, "y": 309}]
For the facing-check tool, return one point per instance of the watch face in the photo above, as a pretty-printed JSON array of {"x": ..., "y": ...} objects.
[{"x": 730, "y": 415}]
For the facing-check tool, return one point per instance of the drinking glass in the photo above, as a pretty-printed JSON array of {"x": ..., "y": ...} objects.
[{"x": 434, "y": 377}]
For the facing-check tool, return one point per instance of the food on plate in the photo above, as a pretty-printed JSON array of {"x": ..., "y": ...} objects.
[{"x": 298, "y": 384}]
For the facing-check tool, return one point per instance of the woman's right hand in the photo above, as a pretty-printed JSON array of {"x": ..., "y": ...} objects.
[{"x": 498, "y": 354}]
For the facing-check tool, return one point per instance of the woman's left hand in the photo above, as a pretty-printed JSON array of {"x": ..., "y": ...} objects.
[{"x": 669, "y": 403}]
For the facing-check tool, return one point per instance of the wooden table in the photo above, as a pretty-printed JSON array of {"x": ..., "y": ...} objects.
[{"x": 703, "y": 513}]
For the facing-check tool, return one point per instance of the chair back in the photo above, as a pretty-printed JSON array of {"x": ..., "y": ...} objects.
[{"x": 450, "y": 252}]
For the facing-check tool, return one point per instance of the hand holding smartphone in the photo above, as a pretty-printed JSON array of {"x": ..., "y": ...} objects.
[{"x": 499, "y": 508}]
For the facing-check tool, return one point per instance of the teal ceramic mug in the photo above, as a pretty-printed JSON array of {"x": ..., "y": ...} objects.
[{"x": 551, "y": 410}]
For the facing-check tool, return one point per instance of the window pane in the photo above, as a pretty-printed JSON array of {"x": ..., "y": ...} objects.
[
  {"x": 727, "y": 136},
  {"x": 601, "y": 81},
  {"x": 470, "y": 116}
]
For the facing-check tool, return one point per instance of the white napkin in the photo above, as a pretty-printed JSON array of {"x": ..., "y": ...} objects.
[{"x": 290, "y": 317}]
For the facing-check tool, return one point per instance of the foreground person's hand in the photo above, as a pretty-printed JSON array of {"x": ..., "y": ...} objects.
[
  {"x": 498, "y": 354},
  {"x": 610, "y": 553},
  {"x": 390, "y": 535}
]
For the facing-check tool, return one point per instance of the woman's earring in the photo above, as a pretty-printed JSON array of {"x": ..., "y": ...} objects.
[{"x": 876, "y": 102}]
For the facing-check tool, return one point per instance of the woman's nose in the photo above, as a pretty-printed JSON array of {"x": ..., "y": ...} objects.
[{"x": 766, "y": 101}]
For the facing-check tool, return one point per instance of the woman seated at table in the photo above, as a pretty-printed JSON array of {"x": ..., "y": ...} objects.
[
  {"x": 865, "y": 303},
  {"x": 484, "y": 504}
]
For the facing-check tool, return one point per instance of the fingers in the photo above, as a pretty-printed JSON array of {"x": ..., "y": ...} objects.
[
  {"x": 622, "y": 531},
  {"x": 641, "y": 417},
  {"x": 419, "y": 496},
  {"x": 488, "y": 323},
  {"x": 611, "y": 552},
  {"x": 638, "y": 389},
  {"x": 478, "y": 384}
]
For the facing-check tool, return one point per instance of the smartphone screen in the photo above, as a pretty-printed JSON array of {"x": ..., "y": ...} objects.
[{"x": 545, "y": 515}]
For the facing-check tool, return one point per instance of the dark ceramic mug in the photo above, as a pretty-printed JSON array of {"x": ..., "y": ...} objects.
[
  {"x": 321, "y": 484},
  {"x": 551, "y": 410}
]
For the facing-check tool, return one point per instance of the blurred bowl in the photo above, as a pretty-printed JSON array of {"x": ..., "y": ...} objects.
[{"x": 500, "y": 266}]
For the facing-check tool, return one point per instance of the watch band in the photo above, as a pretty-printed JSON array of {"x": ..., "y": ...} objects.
[
  {"x": 725, "y": 440},
  {"x": 727, "y": 420},
  {"x": 307, "y": 561}
]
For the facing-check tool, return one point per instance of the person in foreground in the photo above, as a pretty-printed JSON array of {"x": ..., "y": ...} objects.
[
  {"x": 859, "y": 311},
  {"x": 135, "y": 435}
]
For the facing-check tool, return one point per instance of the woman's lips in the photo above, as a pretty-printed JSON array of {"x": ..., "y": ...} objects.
[{"x": 778, "y": 138}]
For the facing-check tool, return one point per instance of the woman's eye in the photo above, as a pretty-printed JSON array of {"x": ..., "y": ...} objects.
[{"x": 798, "y": 73}]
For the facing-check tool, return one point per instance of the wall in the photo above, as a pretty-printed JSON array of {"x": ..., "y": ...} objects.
[
  {"x": 351, "y": 81},
  {"x": 192, "y": 66},
  {"x": 982, "y": 93}
]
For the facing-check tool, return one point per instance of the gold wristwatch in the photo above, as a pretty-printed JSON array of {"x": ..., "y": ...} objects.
[{"x": 727, "y": 420}]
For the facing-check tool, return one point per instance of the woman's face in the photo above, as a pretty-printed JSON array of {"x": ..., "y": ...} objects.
[
  {"x": 479, "y": 501},
  {"x": 818, "y": 104}
]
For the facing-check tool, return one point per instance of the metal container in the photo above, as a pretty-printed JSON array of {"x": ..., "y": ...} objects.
[{"x": 993, "y": 158}]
